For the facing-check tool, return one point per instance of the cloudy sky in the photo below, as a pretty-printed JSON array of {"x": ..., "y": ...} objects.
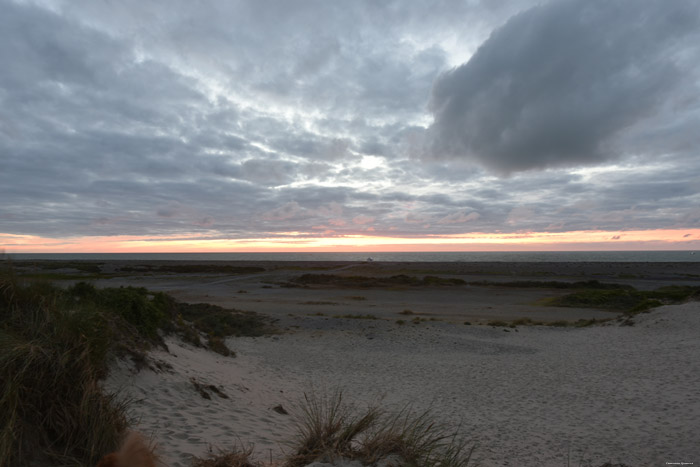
[{"x": 340, "y": 125}]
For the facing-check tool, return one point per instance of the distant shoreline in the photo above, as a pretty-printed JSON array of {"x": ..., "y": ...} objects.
[
  {"x": 479, "y": 256},
  {"x": 577, "y": 269},
  {"x": 275, "y": 288}
]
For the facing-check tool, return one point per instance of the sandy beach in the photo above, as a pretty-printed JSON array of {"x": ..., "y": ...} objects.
[
  {"x": 526, "y": 396},
  {"x": 536, "y": 397}
]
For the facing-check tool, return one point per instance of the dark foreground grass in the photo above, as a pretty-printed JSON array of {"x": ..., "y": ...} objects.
[
  {"x": 55, "y": 348},
  {"x": 235, "y": 457},
  {"x": 52, "y": 408},
  {"x": 329, "y": 428}
]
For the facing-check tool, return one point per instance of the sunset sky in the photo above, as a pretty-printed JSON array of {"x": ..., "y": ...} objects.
[{"x": 160, "y": 126}]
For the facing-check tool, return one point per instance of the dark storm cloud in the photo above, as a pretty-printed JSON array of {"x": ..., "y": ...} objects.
[{"x": 557, "y": 84}]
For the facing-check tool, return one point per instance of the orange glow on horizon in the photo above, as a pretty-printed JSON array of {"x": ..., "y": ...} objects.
[{"x": 659, "y": 239}]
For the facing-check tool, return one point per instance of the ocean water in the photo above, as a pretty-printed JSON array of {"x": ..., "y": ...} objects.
[{"x": 510, "y": 256}]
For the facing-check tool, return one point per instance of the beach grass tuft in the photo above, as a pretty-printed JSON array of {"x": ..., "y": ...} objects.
[
  {"x": 329, "y": 428},
  {"x": 235, "y": 457}
]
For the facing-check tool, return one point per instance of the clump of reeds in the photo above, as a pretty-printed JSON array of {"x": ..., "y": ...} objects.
[{"x": 329, "y": 428}]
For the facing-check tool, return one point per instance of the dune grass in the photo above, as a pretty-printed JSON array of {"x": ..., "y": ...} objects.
[
  {"x": 329, "y": 428},
  {"x": 52, "y": 408},
  {"x": 55, "y": 348},
  {"x": 628, "y": 300},
  {"x": 236, "y": 457}
]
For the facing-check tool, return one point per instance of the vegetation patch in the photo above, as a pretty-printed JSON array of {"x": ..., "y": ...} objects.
[
  {"x": 236, "y": 457},
  {"x": 356, "y": 316},
  {"x": 497, "y": 323},
  {"x": 55, "y": 346},
  {"x": 630, "y": 301},
  {"x": 179, "y": 268},
  {"x": 329, "y": 428},
  {"x": 400, "y": 280},
  {"x": 192, "y": 320},
  {"x": 52, "y": 409},
  {"x": 591, "y": 284},
  {"x": 559, "y": 323},
  {"x": 92, "y": 267}
]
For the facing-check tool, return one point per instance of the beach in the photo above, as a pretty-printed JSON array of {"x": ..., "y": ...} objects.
[{"x": 624, "y": 391}]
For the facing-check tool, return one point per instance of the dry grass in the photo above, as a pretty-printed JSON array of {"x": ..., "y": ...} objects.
[
  {"x": 329, "y": 428},
  {"x": 236, "y": 457}
]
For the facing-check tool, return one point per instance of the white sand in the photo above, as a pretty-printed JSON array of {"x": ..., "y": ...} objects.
[{"x": 529, "y": 398}]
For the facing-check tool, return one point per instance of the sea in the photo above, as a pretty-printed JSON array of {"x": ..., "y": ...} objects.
[{"x": 442, "y": 256}]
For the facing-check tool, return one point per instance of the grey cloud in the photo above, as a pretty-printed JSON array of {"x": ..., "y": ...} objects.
[
  {"x": 267, "y": 172},
  {"x": 290, "y": 210},
  {"x": 459, "y": 218},
  {"x": 557, "y": 84},
  {"x": 312, "y": 146}
]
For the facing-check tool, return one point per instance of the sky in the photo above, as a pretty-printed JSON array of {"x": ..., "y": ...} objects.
[{"x": 321, "y": 125}]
